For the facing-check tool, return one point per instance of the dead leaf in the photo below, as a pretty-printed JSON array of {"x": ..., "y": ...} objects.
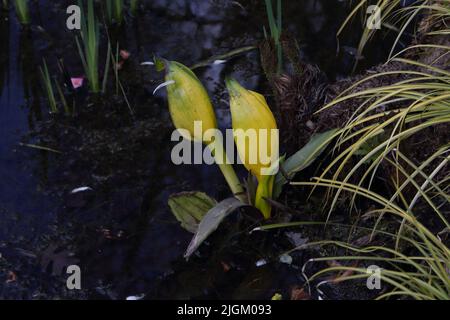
[
  {"x": 12, "y": 277},
  {"x": 299, "y": 294},
  {"x": 226, "y": 267},
  {"x": 342, "y": 275},
  {"x": 362, "y": 241}
]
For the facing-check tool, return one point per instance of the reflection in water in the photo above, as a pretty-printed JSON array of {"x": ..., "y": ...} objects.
[
  {"x": 4, "y": 56},
  {"x": 31, "y": 81},
  {"x": 24, "y": 212}
]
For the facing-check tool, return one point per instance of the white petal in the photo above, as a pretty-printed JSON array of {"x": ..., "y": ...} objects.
[
  {"x": 81, "y": 189},
  {"x": 135, "y": 298}
]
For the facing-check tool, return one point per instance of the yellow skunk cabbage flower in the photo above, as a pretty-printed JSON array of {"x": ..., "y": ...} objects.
[
  {"x": 189, "y": 103},
  {"x": 256, "y": 136}
]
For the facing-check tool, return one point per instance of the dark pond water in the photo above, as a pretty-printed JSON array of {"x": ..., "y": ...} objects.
[{"x": 121, "y": 232}]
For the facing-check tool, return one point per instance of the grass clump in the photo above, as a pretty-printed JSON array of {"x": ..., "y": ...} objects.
[
  {"x": 88, "y": 47},
  {"x": 275, "y": 27},
  {"x": 114, "y": 11},
  {"x": 48, "y": 84},
  {"x": 22, "y": 11}
]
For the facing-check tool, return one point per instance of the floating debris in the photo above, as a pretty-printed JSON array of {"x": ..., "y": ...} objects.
[
  {"x": 261, "y": 263},
  {"x": 81, "y": 189},
  {"x": 135, "y": 298},
  {"x": 34, "y": 146},
  {"x": 286, "y": 259},
  {"x": 77, "y": 82}
]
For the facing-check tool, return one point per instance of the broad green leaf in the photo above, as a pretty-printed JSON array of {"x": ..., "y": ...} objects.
[
  {"x": 211, "y": 222},
  {"x": 302, "y": 159},
  {"x": 190, "y": 207}
]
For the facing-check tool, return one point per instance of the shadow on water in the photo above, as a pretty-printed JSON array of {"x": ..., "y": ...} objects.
[{"x": 120, "y": 231}]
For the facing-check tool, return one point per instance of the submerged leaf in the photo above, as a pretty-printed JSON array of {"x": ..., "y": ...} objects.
[
  {"x": 190, "y": 207},
  {"x": 211, "y": 222}
]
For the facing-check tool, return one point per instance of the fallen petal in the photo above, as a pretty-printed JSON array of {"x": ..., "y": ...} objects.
[
  {"x": 135, "y": 298},
  {"x": 81, "y": 189},
  {"x": 124, "y": 54},
  {"x": 77, "y": 82},
  {"x": 285, "y": 258}
]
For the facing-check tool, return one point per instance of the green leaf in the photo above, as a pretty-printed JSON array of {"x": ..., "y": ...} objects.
[
  {"x": 160, "y": 64},
  {"x": 190, "y": 207},
  {"x": 302, "y": 159},
  {"x": 369, "y": 145},
  {"x": 211, "y": 222},
  {"x": 277, "y": 296}
]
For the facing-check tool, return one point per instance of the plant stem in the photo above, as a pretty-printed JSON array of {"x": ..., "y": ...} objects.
[
  {"x": 263, "y": 192},
  {"x": 227, "y": 170}
]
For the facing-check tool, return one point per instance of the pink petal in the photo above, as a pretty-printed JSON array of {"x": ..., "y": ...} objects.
[
  {"x": 125, "y": 54},
  {"x": 77, "y": 82}
]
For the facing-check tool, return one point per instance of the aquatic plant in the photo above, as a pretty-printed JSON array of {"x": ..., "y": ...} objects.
[
  {"x": 249, "y": 111},
  {"x": 22, "y": 11},
  {"x": 188, "y": 103},
  {"x": 275, "y": 27},
  {"x": 114, "y": 11},
  {"x": 62, "y": 98},
  {"x": 88, "y": 49},
  {"x": 134, "y": 4},
  {"x": 48, "y": 84}
]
